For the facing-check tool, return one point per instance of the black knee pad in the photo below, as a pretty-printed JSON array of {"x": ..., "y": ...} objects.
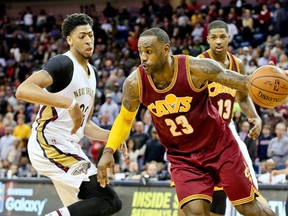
[
  {"x": 117, "y": 205},
  {"x": 96, "y": 206},
  {"x": 218, "y": 204}
]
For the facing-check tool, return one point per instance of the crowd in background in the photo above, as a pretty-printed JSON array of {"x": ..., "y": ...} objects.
[{"x": 258, "y": 35}]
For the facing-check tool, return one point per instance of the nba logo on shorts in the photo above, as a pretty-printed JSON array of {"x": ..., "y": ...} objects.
[{"x": 2, "y": 196}]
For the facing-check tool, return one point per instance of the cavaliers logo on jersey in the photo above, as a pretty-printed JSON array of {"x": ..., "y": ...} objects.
[
  {"x": 216, "y": 89},
  {"x": 171, "y": 104},
  {"x": 80, "y": 168}
]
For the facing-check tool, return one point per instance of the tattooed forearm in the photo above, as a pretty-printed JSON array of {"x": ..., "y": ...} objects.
[
  {"x": 211, "y": 70},
  {"x": 233, "y": 80}
]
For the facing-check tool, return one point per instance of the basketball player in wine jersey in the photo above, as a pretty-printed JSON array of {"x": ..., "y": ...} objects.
[
  {"x": 200, "y": 146},
  {"x": 223, "y": 97}
]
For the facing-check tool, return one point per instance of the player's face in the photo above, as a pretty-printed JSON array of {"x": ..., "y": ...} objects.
[
  {"x": 152, "y": 54},
  {"x": 81, "y": 40},
  {"x": 218, "y": 40}
]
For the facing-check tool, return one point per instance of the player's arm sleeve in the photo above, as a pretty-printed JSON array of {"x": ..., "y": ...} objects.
[
  {"x": 60, "y": 69},
  {"x": 121, "y": 128}
]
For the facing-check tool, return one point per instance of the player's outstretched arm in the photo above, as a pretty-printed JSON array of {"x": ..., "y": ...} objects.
[
  {"x": 32, "y": 90},
  {"x": 204, "y": 70},
  {"x": 247, "y": 107},
  {"x": 121, "y": 127}
]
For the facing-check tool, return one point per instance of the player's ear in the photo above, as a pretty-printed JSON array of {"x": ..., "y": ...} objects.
[
  {"x": 167, "y": 49},
  {"x": 69, "y": 40}
]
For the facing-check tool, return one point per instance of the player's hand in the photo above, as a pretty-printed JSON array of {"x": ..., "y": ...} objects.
[
  {"x": 106, "y": 161},
  {"x": 77, "y": 118},
  {"x": 123, "y": 149},
  {"x": 274, "y": 172},
  {"x": 271, "y": 63},
  {"x": 285, "y": 71},
  {"x": 256, "y": 129}
]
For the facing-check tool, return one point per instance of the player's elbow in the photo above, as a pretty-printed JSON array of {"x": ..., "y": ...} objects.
[{"x": 20, "y": 92}]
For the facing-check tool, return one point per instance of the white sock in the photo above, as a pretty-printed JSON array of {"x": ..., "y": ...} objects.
[{"x": 60, "y": 212}]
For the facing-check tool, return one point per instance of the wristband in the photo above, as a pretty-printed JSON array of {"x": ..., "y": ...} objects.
[
  {"x": 110, "y": 150},
  {"x": 72, "y": 105}
]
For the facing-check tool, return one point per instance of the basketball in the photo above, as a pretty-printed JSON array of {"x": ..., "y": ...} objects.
[{"x": 268, "y": 86}]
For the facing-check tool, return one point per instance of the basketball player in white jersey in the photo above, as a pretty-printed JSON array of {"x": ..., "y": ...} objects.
[{"x": 65, "y": 88}]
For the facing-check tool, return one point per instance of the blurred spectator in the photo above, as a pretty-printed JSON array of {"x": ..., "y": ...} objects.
[
  {"x": 132, "y": 153},
  {"x": 263, "y": 142},
  {"x": 283, "y": 62},
  {"x": 197, "y": 32},
  {"x": 151, "y": 170},
  {"x": 267, "y": 166},
  {"x": 6, "y": 142},
  {"x": 197, "y": 47},
  {"x": 283, "y": 110},
  {"x": 247, "y": 28},
  {"x": 14, "y": 152},
  {"x": 9, "y": 120},
  {"x": 10, "y": 97},
  {"x": 232, "y": 28},
  {"x": 147, "y": 120},
  {"x": 133, "y": 171},
  {"x": 24, "y": 167},
  {"x": 109, "y": 11},
  {"x": 264, "y": 19},
  {"x": 280, "y": 19},
  {"x": 154, "y": 149},
  {"x": 272, "y": 117},
  {"x": 5, "y": 164},
  {"x": 196, "y": 18},
  {"x": 2, "y": 128},
  {"x": 251, "y": 67},
  {"x": 238, "y": 118},
  {"x": 21, "y": 130},
  {"x": 110, "y": 108},
  {"x": 140, "y": 136},
  {"x": 250, "y": 143},
  {"x": 85, "y": 145},
  {"x": 104, "y": 121},
  {"x": 12, "y": 171},
  {"x": 278, "y": 146}
]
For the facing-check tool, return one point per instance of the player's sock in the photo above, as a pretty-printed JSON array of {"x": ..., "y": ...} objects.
[{"x": 60, "y": 212}]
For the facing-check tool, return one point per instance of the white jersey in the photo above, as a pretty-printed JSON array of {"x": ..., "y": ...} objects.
[
  {"x": 58, "y": 120},
  {"x": 53, "y": 151}
]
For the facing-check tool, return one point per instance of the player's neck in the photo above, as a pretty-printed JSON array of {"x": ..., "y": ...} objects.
[
  {"x": 82, "y": 61},
  {"x": 221, "y": 58},
  {"x": 162, "y": 79}
]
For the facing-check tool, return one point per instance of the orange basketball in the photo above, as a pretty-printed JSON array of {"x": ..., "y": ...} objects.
[{"x": 268, "y": 86}]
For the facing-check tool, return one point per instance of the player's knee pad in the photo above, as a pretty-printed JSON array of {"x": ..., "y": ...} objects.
[
  {"x": 117, "y": 204},
  {"x": 110, "y": 206}
]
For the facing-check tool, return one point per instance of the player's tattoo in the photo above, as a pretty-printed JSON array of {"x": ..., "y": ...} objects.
[
  {"x": 131, "y": 87},
  {"x": 208, "y": 67}
]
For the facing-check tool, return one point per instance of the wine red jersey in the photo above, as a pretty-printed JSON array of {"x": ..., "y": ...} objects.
[
  {"x": 223, "y": 97},
  {"x": 182, "y": 114}
]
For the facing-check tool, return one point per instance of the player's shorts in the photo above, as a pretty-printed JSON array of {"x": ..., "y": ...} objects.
[
  {"x": 62, "y": 161},
  {"x": 219, "y": 164}
]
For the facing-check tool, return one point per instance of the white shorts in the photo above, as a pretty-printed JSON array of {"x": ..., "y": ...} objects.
[
  {"x": 62, "y": 161},
  {"x": 245, "y": 153}
]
